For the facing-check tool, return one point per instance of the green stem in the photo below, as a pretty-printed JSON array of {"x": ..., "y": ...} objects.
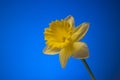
[{"x": 89, "y": 70}]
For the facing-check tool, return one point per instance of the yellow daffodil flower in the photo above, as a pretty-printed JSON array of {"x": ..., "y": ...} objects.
[{"x": 62, "y": 37}]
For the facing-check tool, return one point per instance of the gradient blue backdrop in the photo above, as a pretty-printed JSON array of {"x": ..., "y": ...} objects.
[{"x": 22, "y": 25}]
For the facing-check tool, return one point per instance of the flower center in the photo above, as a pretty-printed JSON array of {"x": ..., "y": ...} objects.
[
  {"x": 59, "y": 34},
  {"x": 63, "y": 39}
]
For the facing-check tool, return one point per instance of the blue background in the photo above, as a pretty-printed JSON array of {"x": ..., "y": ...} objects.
[{"x": 22, "y": 25}]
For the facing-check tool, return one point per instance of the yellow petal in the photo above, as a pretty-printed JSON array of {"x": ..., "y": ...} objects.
[
  {"x": 65, "y": 53},
  {"x": 50, "y": 51},
  {"x": 80, "y": 32},
  {"x": 80, "y": 50},
  {"x": 70, "y": 20}
]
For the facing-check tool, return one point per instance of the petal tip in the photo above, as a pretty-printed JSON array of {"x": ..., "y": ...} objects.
[
  {"x": 87, "y": 24},
  {"x": 69, "y": 16}
]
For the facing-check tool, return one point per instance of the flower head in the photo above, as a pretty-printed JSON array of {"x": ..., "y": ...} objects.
[{"x": 62, "y": 38}]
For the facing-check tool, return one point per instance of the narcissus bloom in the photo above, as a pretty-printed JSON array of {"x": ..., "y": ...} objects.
[{"x": 62, "y": 37}]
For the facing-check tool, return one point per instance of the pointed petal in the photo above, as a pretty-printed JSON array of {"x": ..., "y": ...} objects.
[
  {"x": 64, "y": 56},
  {"x": 70, "y": 20},
  {"x": 80, "y": 32},
  {"x": 50, "y": 51},
  {"x": 80, "y": 50},
  {"x": 65, "y": 53}
]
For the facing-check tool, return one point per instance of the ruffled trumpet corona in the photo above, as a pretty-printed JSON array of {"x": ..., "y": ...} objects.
[{"x": 63, "y": 38}]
